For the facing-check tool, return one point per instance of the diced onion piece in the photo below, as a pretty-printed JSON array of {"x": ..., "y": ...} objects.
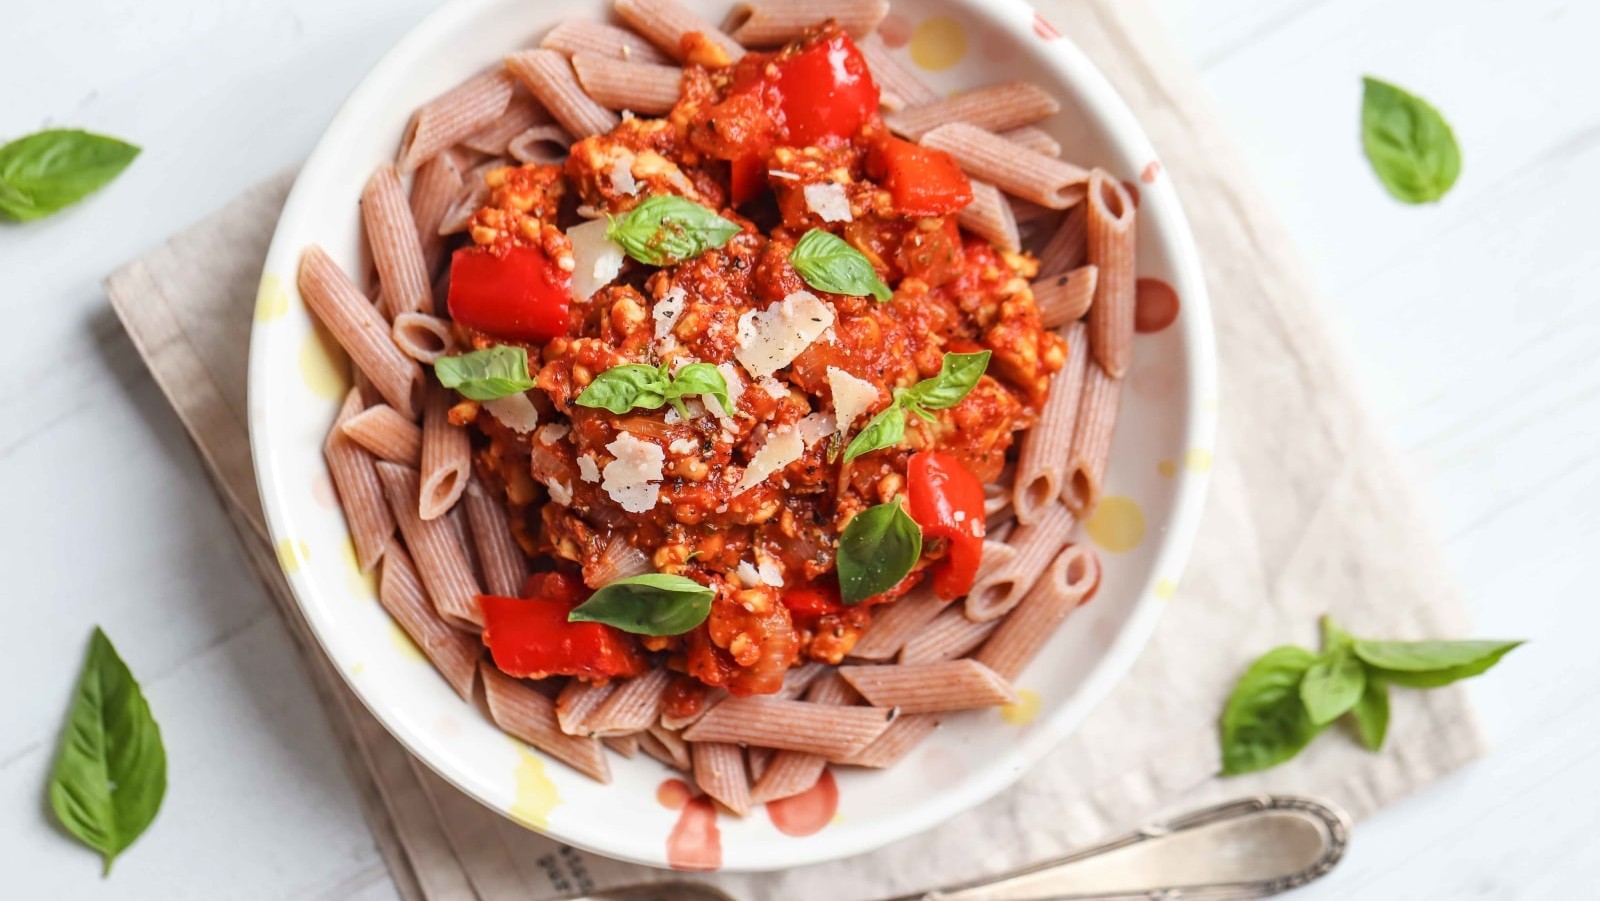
[
  {"x": 828, "y": 201},
  {"x": 515, "y": 412},
  {"x": 633, "y": 478},
  {"x": 770, "y": 339},
  {"x": 597, "y": 260},
  {"x": 622, "y": 175},
  {"x": 784, "y": 446}
]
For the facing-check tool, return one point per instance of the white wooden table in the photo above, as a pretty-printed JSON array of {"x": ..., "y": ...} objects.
[{"x": 1474, "y": 328}]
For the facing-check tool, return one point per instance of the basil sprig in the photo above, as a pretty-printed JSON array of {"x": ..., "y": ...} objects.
[
  {"x": 50, "y": 170},
  {"x": 486, "y": 374},
  {"x": 1409, "y": 144},
  {"x": 1288, "y": 696},
  {"x": 111, "y": 769},
  {"x": 958, "y": 375},
  {"x": 649, "y": 604},
  {"x": 878, "y": 548},
  {"x": 640, "y": 386},
  {"x": 827, "y": 263},
  {"x": 669, "y": 229}
]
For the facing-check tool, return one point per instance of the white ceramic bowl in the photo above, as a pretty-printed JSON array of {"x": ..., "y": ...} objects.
[{"x": 1156, "y": 481}]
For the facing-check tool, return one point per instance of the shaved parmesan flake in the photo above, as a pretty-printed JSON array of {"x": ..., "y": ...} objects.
[
  {"x": 770, "y": 339},
  {"x": 633, "y": 478},
  {"x": 671, "y": 417},
  {"x": 560, "y": 492},
  {"x": 827, "y": 336},
  {"x": 684, "y": 446},
  {"x": 515, "y": 412},
  {"x": 666, "y": 313},
  {"x": 774, "y": 388},
  {"x": 851, "y": 396},
  {"x": 779, "y": 173},
  {"x": 622, "y": 175},
  {"x": 784, "y": 446},
  {"x": 747, "y": 574},
  {"x": 770, "y": 574},
  {"x": 597, "y": 260},
  {"x": 815, "y": 427},
  {"x": 588, "y": 470},
  {"x": 553, "y": 432},
  {"x": 828, "y": 201}
]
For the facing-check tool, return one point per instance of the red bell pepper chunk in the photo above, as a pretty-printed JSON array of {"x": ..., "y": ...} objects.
[
  {"x": 946, "y": 500},
  {"x": 813, "y": 600},
  {"x": 530, "y": 638},
  {"x": 921, "y": 180},
  {"x": 509, "y": 291},
  {"x": 825, "y": 89}
]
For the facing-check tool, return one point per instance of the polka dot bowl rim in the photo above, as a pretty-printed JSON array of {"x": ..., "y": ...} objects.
[{"x": 967, "y": 760}]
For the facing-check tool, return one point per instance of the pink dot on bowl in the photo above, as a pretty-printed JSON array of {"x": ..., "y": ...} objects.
[
  {"x": 1155, "y": 305},
  {"x": 1151, "y": 171},
  {"x": 1044, "y": 29},
  {"x": 322, "y": 491},
  {"x": 895, "y": 30}
]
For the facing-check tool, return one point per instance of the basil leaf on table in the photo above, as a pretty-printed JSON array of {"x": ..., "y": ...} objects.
[
  {"x": 648, "y": 604},
  {"x": 876, "y": 551},
  {"x": 1370, "y": 715},
  {"x": 1430, "y": 664},
  {"x": 669, "y": 229},
  {"x": 48, "y": 171},
  {"x": 488, "y": 374},
  {"x": 828, "y": 263},
  {"x": 958, "y": 375},
  {"x": 1332, "y": 685},
  {"x": 1265, "y": 722},
  {"x": 111, "y": 769},
  {"x": 1409, "y": 144}
]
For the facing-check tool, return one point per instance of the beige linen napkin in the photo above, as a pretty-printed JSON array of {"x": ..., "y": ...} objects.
[{"x": 1307, "y": 514}]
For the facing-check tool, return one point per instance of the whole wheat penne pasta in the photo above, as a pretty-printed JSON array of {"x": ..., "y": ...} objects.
[
  {"x": 894, "y": 624},
  {"x": 769, "y": 23},
  {"x": 1066, "y": 297},
  {"x": 458, "y": 522},
  {"x": 446, "y": 456},
  {"x": 1091, "y": 441},
  {"x": 1034, "y": 138},
  {"x": 949, "y": 636},
  {"x": 474, "y": 194},
  {"x": 540, "y": 144},
  {"x": 626, "y": 745},
  {"x": 449, "y": 118},
  {"x": 522, "y": 113},
  {"x": 454, "y": 653},
  {"x": 522, "y": 711},
  {"x": 396, "y": 250},
  {"x": 633, "y": 707},
  {"x": 360, "y": 493},
  {"x": 423, "y": 337},
  {"x": 549, "y": 76},
  {"x": 789, "y": 773},
  {"x": 1041, "y": 466},
  {"x": 1026, "y": 629},
  {"x": 619, "y": 560},
  {"x": 997, "y": 108},
  {"x": 504, "y": 565},
  {"x": 903, "y": 735},
  {"x": 989, "y": 216},
  {"x": 997, "y": 504},
  {"x": 930, "y": 687},
  {"x": 369, "y": 392},
  {"x": 799, "y": 678},
  {"x": 654, "y": 747},
  {"x": 676, "y": 749},
  {"x": 573, "y": 36},
  {"x": 577, "y": 703},
  {"x": 1001, "y": 588},
  {"x": 670, "y": 26},
  {"x": 440, "y": 558},
  {"x": 898, "y": 87},
  {"x": 434, "y": 188},
  {"x": 758, "y": 759},
  {"x": 1068, "y": 248},
  {"x": 698, "y": 697},
  {"x": 1027, "y": 212},
  {"x": 1111, "y": 249},
  {"x": 719, "y": 771},
  {"x": 767, "y": 722},
  {"x": 621, "y": 85},
  {"x": 386, "y": 435},
  {"x": 360, "y": 330},
  {"x": 1012, "y": 168}
]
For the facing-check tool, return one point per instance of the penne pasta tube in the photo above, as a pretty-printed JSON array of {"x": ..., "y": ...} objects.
[
  {"x": 770, "y": 23},
  {"x": 360, "y": 330},
  {"x": 990, "y": 217},
  {"x": 549, "y": 76},
  {"x": 577, "y": 703},
  {"x": 422, "y": 337},
  {"x": 719, "y": 771},
  {"x": 620, "y": 85},
  {"x": 894, "y": 624},
  {"x": 573, "y": 36},
  {"x": 626, "y": 745},
  {"x": 670, "y": 26},
  {"x": 360, "y": 492},
  {"x": 949, "y": 636},
  {"x": 673, "y": 750},
  {"x": 1111, "y": 241},
  {"x": 386, "y": 435},
  {"x": 446, "y": 120},
  {"x": 396, "y": 250},
  {"x": 831, "y": 732},
  {"x": 898, "y": 87},
  {"x": 619, "y": 560},
  {"x": 504, "y": 565},
  {"x": 1068, "y": 248},
  {"x": 995, "y": 108},
  {"x": 1001, "y": 585},
  {"x": 789, "y": 773},
  {"x": 694, "y": 699},
  {"x": 1066, "y": 297},
  {"x": 522, "y": 113},
  {"x": 758, "y": 759},
  {"x": 441, "y": 562},
  {"x": 526, "y": 714},
  {"x": 1029, "y": 627},
  {"x": 540, "y": 144},
  {"x": 454, "y": 653},
  {"x": 1027, "y": 212},
  {"x": 446, "y": 456},
  {"x": 1041, "y": 466},
  {"x": 1016, "y": 170},
  {"x": 633, "y": 707},
  {"x": 902, "y": 736},
  {"x": 799, "y": 678},
  {"x": 1090, "y": 450},
  {"x": 930, "y": 687},
  {"x": 1036, "y": 139},
  {"x": 434, "y": 188}
]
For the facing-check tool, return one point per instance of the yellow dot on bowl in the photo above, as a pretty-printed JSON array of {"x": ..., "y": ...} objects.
[
  {"x": 938, "y": 43},
  {"x": 403, "y": 643},
  {"x": 291, "y": 554},
  {"x": 362, "y": 585},
  {"x": 357, "y": 668},
  {"x": 1166, "y": 589},
  {"x": 1024, "y": 711},
  {"x": 323, "y": 366},
  {"x": 536, "y": 794},
  {"x": 272, "y": 300},
  {"x": 1117, "y": 525},
  {"x": 1167, "y": 468},
  {"x": 1197, "y": 460}
]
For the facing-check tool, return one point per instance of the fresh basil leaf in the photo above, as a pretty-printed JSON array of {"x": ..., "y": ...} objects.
[
  {"x": 699, "y": 379},
  {"x": 887, "y": 429},
  {"x": 49, "y": 170},
  {"x": 669, "y": 229},
  {"x": 1333, "y": 636},
  {"x": 1410, "y": 146},
  {"x": 649, "y": 604},
  {"x": 1333, "y": 685},
  {"x": 876, "y": 551},
  {"x": 1371, "y": 714},
  {"x": 486, "y": 374},
  {"x": 626, "y": 387},
  {"x": 958, "y": 375},
  {"x": 828, "y": 263},
  {"x": 1457, "y": 659},
  {"x": 111, "y": 769},
  {"x": 1265, "y": 722}
]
